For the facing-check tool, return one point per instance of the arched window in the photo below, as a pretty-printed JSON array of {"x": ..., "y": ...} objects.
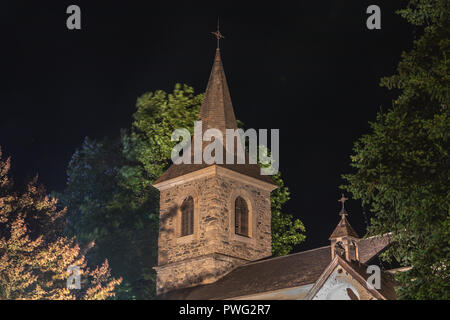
[
  {"x": 241, "y": 217},
  {"x": 187, "y": 217}
]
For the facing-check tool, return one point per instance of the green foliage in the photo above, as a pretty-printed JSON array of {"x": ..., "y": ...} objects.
[
  {"x": 122, "y": 223},
  {"x": 286, "y": 232},
  {"x": 158, "y": 114},
  {"x": 402, "y": 166}
]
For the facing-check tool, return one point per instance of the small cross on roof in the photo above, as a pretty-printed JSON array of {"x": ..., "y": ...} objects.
[
  {"x": 218, "y": 34},
  {"x": 342, "y": 200}
]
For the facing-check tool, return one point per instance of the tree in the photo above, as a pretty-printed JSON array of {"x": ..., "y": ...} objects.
[
  {"x": 402, "y": 166},
  {"x": 122, "y": 222},
  {"x": 34, "y": 255},
  {"x": 286, "y": 232},
  {"x": 149, "y": 143}
]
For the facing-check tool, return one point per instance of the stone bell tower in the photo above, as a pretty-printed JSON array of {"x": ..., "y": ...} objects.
[{"x": 212, "y": 217}]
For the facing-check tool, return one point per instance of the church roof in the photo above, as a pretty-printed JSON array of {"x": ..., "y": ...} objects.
[
  {"x": 343, "y": 229},
  {"x": 251, "y": 170},
  {"x": 370, "y": 247},
  {"x": 275, "y": 273},
  {"x": 387, "y": 281},
  {"x": 216, "y": 112}
]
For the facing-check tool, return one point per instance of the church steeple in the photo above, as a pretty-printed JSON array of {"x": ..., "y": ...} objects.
[
  {"x": 217, "y": 110},
  {"x": 343, "y": 229},
  {"x": 216, "y": 113},
  {"x": 213, "y": 217},
  {"x": 344, "y": 238}
]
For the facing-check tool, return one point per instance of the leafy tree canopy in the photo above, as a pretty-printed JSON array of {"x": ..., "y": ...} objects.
[
  {"x": 34, "y": 253},
  {"x": 122, "y": 223},
  {"x": 402, "y": 166}
]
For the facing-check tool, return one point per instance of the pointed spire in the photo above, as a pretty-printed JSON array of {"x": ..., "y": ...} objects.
[
  {"x": 216, "y": 113},
  {"x": 343, "y": 229},
  {"x": 217, "y": 109}
]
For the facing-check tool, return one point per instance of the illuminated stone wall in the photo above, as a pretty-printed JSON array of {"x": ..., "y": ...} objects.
[{"x": 214, "y": 249}]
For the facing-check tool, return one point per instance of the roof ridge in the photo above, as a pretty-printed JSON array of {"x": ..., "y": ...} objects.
[
  {"x": 378, "y": 235},
  {"x": 281, "y": 257}
]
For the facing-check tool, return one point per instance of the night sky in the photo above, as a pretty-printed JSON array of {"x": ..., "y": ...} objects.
[{"x": 311, "y": 69}]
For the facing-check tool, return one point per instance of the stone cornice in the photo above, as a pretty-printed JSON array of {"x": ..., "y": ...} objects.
[
  {"x": 214, "y": 170},
  {"x": 213, "y": 255}
]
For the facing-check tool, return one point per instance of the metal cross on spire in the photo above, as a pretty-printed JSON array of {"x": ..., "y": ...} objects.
[
  {"x": 342, "y": 200},
  {"x": 218, "y": 34}
]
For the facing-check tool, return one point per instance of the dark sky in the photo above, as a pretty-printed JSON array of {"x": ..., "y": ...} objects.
[{"x": 311, "y": 69}]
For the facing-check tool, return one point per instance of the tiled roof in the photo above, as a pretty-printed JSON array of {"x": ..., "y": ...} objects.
[
  {"x": 251, "y": 170},
  {"x": 261, "y": 276},
  {"x": 217, "y": 110},
  {"x": 372, "y": 246},
  {"x": 387, "y": 282},
  {"x": 275, "y": 273},
  {"x": 343, "y": 229}
]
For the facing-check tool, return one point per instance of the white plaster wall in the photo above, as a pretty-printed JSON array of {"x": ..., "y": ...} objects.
[{"x": 335, "y": 287}]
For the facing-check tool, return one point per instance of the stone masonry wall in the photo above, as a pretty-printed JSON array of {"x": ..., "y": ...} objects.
[
  {"x": 259, "y": 245},
  {"x": 193, "y": 272},
  {"x": 186, "y": 261}
]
